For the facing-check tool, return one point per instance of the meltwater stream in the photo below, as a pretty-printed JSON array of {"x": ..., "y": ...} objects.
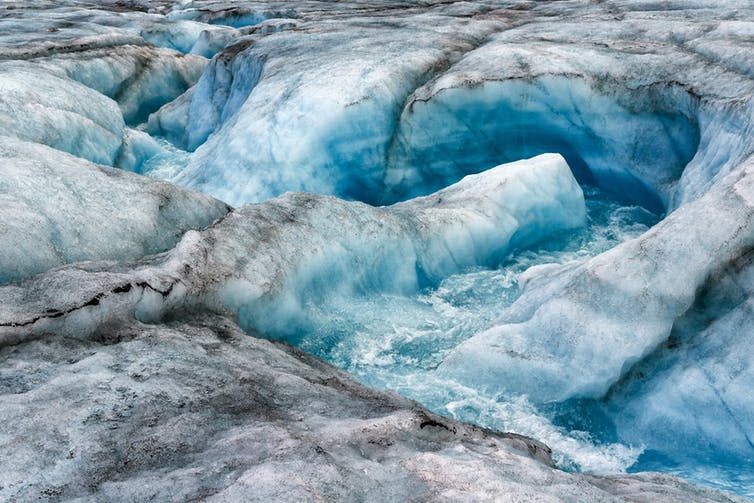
[{"x": 396, "y": 343}]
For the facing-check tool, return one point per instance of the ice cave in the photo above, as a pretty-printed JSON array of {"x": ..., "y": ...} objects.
[{"x": 377, "y": 250}]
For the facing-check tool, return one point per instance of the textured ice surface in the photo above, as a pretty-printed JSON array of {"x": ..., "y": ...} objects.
[
  {"x": 606, "y": 353},
  {"x": 198, "y": 410},
  {"x": 56, "y": 209},
  {"x": 195, "y": 408}
]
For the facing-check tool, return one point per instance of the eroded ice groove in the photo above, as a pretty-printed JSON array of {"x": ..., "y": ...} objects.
[
  {"x": 372, "y": 135},
  {"x": 287, "y": 131},
  {"x": 223, "y": 88},
  {"x": 383, "y": 121},
  {"x": 139, "y": 79},
  {"x": 226, "y": 13}
]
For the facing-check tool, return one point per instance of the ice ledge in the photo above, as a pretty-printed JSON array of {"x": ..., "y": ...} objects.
[{"x": 261, "y": 261}]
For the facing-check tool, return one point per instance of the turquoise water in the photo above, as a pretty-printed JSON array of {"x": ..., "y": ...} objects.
[{"x": 396, "y": 343}]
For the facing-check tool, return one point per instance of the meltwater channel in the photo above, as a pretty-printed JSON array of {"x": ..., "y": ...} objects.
[{"x": 396, "y": 342}]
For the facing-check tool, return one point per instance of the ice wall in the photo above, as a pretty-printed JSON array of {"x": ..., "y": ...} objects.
[{"x": 451, "y": 128}]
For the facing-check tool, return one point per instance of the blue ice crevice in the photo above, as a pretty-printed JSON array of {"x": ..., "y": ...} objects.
[{"x": 383, "y": 134}]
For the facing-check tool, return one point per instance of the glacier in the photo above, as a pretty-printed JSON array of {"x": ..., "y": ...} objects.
[
  {"x": 141, "y": 216},
  {"x": 494, "y": 215}
]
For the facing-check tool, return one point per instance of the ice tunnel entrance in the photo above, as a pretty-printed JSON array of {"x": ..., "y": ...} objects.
[
  {"x": 632, "y": 143},
  {"x": 392, "y": 144}
]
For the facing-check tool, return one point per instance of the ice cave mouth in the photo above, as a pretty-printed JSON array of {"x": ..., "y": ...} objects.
[{"x": 631, "y": 143}]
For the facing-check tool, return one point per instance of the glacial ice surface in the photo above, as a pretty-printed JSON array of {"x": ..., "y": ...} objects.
[
  {"x": 623, "y": 344},
  {"x": 57, "y": 209},
  {"x": 660, "y": 125}
]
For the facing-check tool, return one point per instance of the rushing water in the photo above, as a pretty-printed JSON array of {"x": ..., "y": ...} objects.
[{"x": 396, "y": 342}]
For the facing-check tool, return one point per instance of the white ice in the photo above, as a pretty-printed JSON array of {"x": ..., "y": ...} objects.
[{"x": 56, "y": 209}]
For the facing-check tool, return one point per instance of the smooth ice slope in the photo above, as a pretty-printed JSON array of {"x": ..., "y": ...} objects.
[
  {"x": 56, "y": 209},
  {"x": 43, "y": 106}
]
